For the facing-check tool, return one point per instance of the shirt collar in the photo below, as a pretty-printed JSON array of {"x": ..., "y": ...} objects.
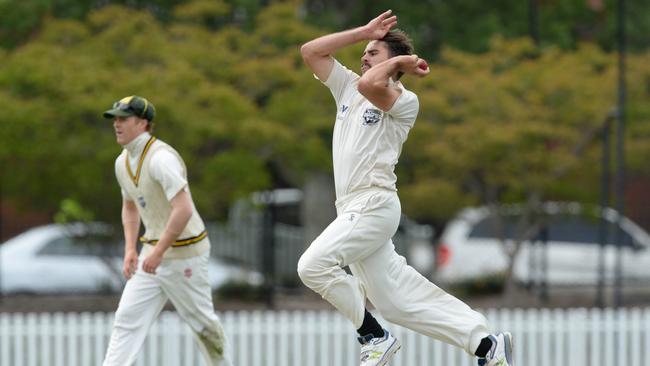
[{"x": 136, "y": 146}]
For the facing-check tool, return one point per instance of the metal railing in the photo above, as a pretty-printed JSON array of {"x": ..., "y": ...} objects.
[{"x": 242, "y": 241}]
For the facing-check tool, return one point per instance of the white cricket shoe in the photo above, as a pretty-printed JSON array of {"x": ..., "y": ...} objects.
[
  {"x": 500, "y": 354},
  {"x": 378, "y": 351}
]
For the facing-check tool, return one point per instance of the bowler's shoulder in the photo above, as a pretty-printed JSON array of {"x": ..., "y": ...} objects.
[
  {"x": 407, "y": 96},
  {"x": 341, "y": 73}
]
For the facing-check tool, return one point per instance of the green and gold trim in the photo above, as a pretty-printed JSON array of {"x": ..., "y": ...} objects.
[
  {"x": 136, "y": 177},
  {"x": 178, "y": 243}
]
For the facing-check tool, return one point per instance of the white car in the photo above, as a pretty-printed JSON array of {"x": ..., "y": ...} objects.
[
  {"x": 470, "y": 247},
  {"x": 82, "y": 258}
]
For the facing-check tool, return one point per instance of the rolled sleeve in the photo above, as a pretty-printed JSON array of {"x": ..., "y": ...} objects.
[
  {"x": 340, "y": 79},
  {"x": 405, "y": 109}
]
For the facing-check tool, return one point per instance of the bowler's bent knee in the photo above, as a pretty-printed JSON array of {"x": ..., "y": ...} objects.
[{"x": 314, "y": 272}]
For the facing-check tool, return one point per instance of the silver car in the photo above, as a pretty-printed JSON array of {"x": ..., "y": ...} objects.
[
  {"x": 82, "y": 258},
  {"x": 470, "y": 246}
]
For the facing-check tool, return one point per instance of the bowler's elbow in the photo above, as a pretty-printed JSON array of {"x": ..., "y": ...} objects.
[
  {"x": 378, "y": 92},
  {"x": 368, "y": 87},
  {"x": 307, "y": 52}
]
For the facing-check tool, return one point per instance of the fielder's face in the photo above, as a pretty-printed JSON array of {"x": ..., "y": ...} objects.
[
  {"x": 375, "y": 53},
  {"x": 128, "y": 128}
]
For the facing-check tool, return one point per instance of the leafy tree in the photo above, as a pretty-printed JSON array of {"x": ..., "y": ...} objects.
[
  {"x": 210, "y": 89},
  {"x": 511, "y": 123},
  {"x": 518, "y": 124},
  {"x": 469, "y": 25}
]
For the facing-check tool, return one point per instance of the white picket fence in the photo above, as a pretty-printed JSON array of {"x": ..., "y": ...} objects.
[{"x": 569, "y": 337}]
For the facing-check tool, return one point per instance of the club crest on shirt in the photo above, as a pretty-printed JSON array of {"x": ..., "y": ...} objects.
[
  {"x": 142, "y": 202},
  {"x": 371, "y": 116}
]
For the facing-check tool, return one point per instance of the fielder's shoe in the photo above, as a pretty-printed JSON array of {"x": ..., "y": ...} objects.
[
  {"x": 500, "y": 354},
  {"x": 378, "y": 351}
]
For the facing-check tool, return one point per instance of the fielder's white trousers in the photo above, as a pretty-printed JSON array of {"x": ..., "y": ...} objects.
[
  {"x": 185, "y": 283},
  {"x": 360, "y": 237}
]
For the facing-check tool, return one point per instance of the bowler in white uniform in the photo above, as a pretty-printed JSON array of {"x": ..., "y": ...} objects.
[
  {"x": 173, "y": 262},
  {"x": 375, "y": 113}
]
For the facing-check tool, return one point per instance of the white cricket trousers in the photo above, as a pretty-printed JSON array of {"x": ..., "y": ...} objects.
[
  {"x": 185, "y": 283},
  {"x": 360, "y": 237}
]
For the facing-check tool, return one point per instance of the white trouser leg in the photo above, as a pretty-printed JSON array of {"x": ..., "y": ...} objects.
[
  {"x": 359, "y": 230},
  {"x": 185, "y": 281},
  {"x": 141, "y": 302},
  {"x": 404, "y": 297},
  {"x": 361, "y": 238}
]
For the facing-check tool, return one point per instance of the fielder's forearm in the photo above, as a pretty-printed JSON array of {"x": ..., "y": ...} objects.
[
  {"x": 178, "y": 218},
  {"x": 130, "y": 225}
]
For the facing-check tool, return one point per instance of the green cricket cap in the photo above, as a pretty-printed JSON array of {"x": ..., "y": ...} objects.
[{"x": 132, "y": 106}]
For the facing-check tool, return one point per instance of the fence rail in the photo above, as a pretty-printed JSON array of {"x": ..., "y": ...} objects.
[
  {"x": 572, "y": 337},
  {"x": 243, "y": 242}
]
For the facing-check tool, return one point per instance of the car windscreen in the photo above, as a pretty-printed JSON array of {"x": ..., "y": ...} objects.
[
  {"x": 561, "y": 228},
  {"x": 84, "y": 245}
]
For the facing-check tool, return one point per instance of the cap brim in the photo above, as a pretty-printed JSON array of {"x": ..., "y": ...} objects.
[{"x": 112, "y": 113}]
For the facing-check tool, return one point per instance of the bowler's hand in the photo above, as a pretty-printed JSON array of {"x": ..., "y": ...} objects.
[
  {"x": 130, "y": 264},
  {"x": 414, "y": 65},
  {"x": 378, "y": 27},
  {"x": 152, "y": 262}
]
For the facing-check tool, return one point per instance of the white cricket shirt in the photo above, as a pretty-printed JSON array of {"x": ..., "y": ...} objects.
[
  {"x": 158, "y": 175},
  {"x": 367, "y": 141},
  {"x": 164, "y": 167}
]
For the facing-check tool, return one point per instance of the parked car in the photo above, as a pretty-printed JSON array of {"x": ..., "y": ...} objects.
[
  {"x": 470, "y": 247},
  {"x": 83, "y": 258}
]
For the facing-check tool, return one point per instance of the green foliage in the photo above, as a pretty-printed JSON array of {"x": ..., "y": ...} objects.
[
  {"x": 210, "y": 13},
  {"x": 211, "y": 89},
  {"x": 514, "y": 121},
  {"x": 235, "y": 99},
  {"x": 72, "y": 211},
  {"x": 470, "y": 25},
  {"x": 19, "y": 19}
]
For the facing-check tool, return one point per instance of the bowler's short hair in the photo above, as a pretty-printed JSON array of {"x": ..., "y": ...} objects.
[{"x": 399, "y": 44}]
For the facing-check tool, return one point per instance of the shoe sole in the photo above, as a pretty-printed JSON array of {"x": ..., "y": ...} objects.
[{"x": 390, "y": 353}]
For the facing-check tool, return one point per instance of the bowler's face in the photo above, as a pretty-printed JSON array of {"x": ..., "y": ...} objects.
[
  {"x": 375, "y": 53},
  {"x": 128, "y": 128}
]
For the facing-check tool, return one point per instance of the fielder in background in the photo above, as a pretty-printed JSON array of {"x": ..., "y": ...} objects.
[
  {"x": 173, "y": 262},
  {"x": 374, "y": 115}
]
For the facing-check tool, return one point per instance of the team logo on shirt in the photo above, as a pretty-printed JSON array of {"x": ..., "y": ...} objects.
[
  {"x": 371, "y": 116},
  {"x": 142, "y": 202}
]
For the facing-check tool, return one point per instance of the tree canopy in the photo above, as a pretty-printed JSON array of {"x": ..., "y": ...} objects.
[{"x": 238, "y": 103}]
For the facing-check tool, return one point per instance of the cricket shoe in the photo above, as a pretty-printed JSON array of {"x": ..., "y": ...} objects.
[
  {"x": 378, "y": 351},
  {"x": 500, "y": 354}
]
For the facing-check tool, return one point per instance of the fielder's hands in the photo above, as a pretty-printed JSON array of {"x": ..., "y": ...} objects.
[
  {"x": 378, "y": 27},
  {"x": 130, "y": 264},
  {"x": 152, "y": 262}
]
